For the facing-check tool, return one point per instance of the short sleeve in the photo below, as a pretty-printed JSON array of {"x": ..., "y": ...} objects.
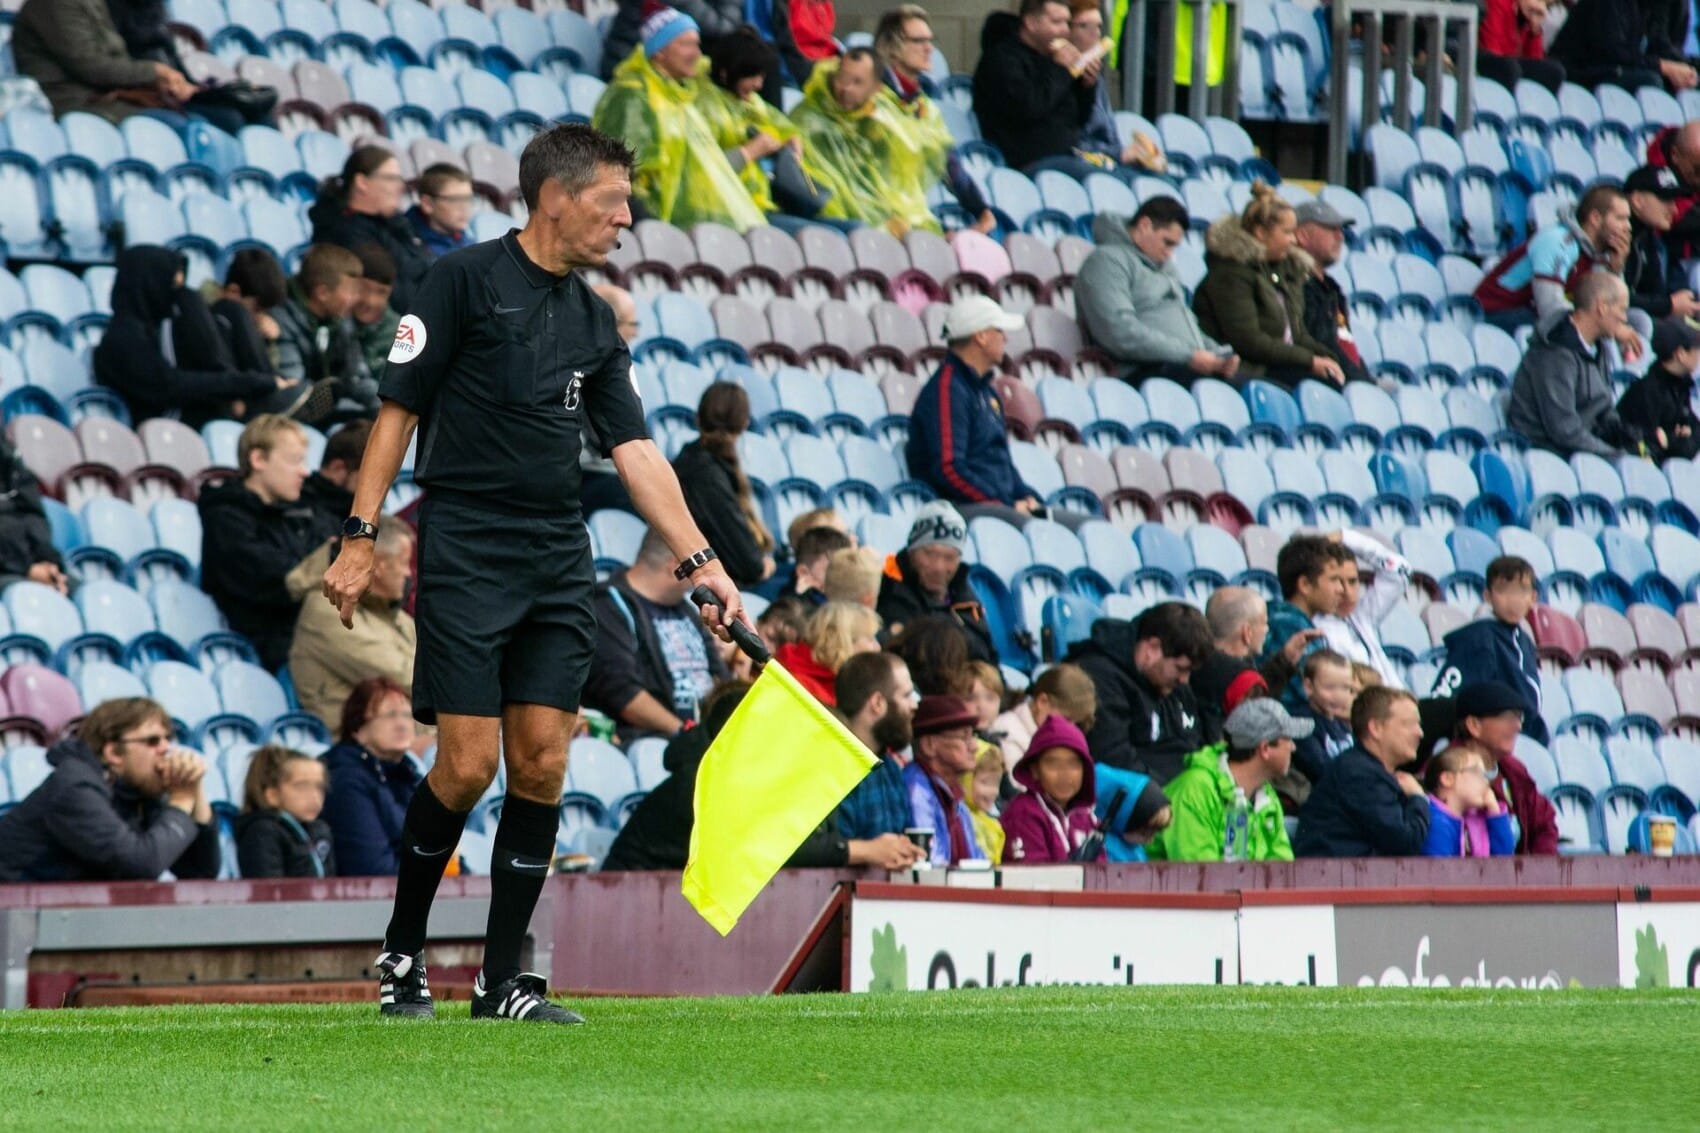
[
  {"x": 1551, "y": 255},
  {"x": 426, "y": 340},
  {"x": 612, "y": 404}
]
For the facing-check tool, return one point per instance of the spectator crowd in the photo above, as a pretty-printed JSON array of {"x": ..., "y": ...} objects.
[{"x": 1252, "y": 729}]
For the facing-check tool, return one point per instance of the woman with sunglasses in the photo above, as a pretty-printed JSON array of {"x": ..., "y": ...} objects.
[{"x": 123, "y": 803}]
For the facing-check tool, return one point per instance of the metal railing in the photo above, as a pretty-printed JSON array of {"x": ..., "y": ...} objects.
[
  {"x": 1402, "y": 17},
  {"x": 1202, "y": 99}
]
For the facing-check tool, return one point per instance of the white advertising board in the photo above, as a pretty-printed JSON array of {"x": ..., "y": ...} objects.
[{"x": 917, "y": 945}]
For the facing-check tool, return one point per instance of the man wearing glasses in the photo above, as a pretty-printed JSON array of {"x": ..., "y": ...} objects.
[
  {"x": 444, "y": 209},
  {"x": 123, "y": 804}
]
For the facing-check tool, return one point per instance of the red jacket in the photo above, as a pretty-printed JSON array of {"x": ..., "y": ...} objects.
[
  {"x": 1505, "y": 32},
  {"x": 799, "y": 661},
  {"x": 1537, "y": 822},
  {"x": 1685, "y": 228}
]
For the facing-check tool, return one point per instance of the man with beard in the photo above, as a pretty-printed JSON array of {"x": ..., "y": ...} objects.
[
  {"x": 867, "y": 829},
  {"x": 877, "y": 699}
]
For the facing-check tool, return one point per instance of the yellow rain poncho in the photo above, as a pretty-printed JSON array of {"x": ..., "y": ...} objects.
[
  {"x": 732, "y": 118},
  {"x": 682, "y": 174},
  {"x": 879, "y": 160}
]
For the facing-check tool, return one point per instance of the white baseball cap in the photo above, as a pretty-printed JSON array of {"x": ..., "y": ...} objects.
[{"x": 972, "y": 314}]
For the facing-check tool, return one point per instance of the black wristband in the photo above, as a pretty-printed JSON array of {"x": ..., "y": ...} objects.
[{"x": 696, "y": 562}]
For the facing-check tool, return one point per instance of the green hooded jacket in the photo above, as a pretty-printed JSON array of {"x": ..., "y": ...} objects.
[{"x": 1200, "y": 796}]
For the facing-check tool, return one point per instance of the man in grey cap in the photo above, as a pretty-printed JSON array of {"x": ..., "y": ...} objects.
[
  {"x": 929, "y": 577},
  {"x": 1258, "y": 749},
  {"x": 1322, "y": 236}
]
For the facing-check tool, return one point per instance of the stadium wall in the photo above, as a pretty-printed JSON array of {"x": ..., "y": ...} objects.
[{"x": 1595, "y": 920}]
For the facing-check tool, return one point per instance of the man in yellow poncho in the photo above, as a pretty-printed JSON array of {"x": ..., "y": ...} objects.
[
  {"x": 878, "y": 160},
  {"x": 685, "y": 172}
]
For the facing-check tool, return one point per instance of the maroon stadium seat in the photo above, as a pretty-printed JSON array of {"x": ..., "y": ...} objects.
[
  {"x": 1557, "y": 635},
  {"x": 1646, "y": 695},
  {"x": 42, "y": 694},
  {"x": 1442, "y": 618},
  {"x": 895, "y": 326},
  {"x": 875, "y": 249},
  {"x": 774, "y": 248},
  {"x": 928, "y": 252},
  {"x": 175, "y": 446},
  {"x": 1611, "y": 639},
  {"x": 741, "y": 322},
  {"x": 493, "y": 166},
  {"x": 1262, "y": 544},
  {"x": 1658, "y": 637},
  {"x": 1021, "y": 410},
  {"x": 110, "y": 442},
  {"x": 48, "y": 449}
]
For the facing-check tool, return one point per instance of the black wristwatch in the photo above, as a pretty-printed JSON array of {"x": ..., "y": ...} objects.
[
  {"x": 696, "y": 562},
  {"x": 356, "y": 528}
]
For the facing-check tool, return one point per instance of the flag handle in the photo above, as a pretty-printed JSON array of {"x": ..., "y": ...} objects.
[{"x": 743, "y": 636}]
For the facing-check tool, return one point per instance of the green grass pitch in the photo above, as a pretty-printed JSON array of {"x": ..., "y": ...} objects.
[{"x": 1051, "y": 1059}]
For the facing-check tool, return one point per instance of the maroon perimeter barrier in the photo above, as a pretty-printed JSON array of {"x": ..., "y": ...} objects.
[{"x": 1525, "y": 922}]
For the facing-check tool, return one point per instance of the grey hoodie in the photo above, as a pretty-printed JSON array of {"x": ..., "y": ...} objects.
[
  {"x": 1134, "y": 308},
  {"x": 1561, "y": 397}
]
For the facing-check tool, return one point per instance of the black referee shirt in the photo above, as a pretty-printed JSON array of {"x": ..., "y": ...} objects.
[{"x": 503, "y": 363}]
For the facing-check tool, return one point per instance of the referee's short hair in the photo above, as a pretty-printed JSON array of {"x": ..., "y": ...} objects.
[{"x": 571, "y": 153}]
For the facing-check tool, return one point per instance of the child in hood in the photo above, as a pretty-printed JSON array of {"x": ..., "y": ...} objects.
[{"x": 1055, "y": 815}]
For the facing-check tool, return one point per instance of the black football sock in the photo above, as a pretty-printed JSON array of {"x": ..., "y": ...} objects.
[
  {"x": 428, "y": 839},
  {"x": 525, "y": 843}
]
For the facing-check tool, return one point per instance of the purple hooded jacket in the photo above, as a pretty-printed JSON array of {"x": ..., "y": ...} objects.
[{"x": 1035, "y": 830}]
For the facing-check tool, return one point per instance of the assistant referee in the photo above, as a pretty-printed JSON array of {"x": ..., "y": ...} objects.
[{"x": 503, "y": 356}]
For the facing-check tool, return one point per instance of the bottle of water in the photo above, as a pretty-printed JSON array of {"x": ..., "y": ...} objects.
[{"x": 1239, "y": 819}]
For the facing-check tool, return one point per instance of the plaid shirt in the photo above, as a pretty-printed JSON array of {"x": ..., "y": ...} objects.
[{"x": 879, "y": 804}]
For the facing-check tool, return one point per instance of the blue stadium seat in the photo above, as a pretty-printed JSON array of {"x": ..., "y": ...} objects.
[
  {"x": 184, "y": 613},
  {"x": 599, "y": 771},
  {"x": 100, "y": 681},
  {"x": 184, "y": 691},
  {"x": 616, "y": 536},
  {"x": 114, "y": 610},
  {"x": 250, "y": 690},
  {"x": 41, "y": 613},
  {"x": 1066, "y": 620},
  {"x": 646, "y": 756},
  {"x": 1109, "y": 551},
  {"x": 999, "y": 547},
  {"x": 24, "y": 215}
]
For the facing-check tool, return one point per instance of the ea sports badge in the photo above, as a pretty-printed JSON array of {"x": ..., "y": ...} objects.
[{"x": 409, "y": 340}]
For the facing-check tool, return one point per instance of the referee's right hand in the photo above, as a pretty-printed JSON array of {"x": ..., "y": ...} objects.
[{"x": 348, "y": 578}]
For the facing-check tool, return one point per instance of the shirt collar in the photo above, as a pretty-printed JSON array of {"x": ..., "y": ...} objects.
[
  {"x": 534, "y": 275},
  {"x": 957, "y": 361}
]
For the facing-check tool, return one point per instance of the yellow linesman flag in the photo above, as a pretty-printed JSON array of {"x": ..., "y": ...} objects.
[{"x": 778, "y": 768}]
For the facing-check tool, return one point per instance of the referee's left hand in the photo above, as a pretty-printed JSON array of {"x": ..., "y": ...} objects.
[
  {"x": 348, "y": 578},
  {"x": 714, "y": 576}
]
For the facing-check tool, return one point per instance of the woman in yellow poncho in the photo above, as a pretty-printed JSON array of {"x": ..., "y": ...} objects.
[
  {"x": 660, "y": 104},
  {"x": 878, "y": 160}
]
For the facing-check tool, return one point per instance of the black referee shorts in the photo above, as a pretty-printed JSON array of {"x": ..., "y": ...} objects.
[{"x": 504, "y": 611}]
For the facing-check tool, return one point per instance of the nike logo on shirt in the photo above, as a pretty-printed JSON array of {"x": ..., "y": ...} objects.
[{"x": 507, "y": 310}]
